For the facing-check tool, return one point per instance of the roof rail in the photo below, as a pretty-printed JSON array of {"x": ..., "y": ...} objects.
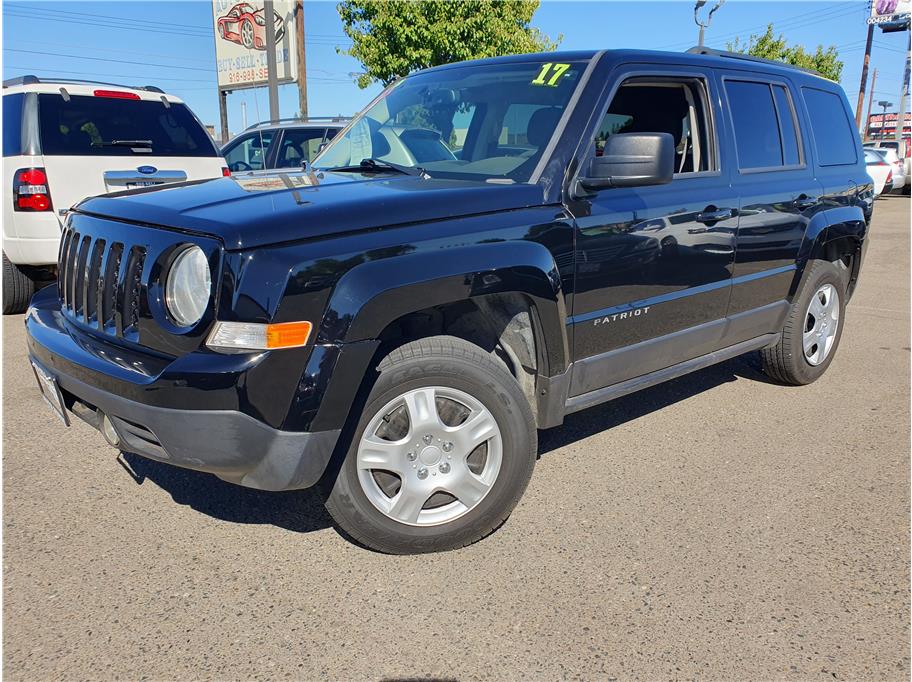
[
  {"x": 32, "y": 80},
  {"x": 699, "y": 49},
  {"x": 295, "y": 119}
]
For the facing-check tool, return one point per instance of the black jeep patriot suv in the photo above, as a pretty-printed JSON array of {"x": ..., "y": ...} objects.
[{"x": 486, "y": 248}]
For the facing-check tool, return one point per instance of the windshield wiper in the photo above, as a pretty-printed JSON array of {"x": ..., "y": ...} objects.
[
  {"x": 375, "y": 165},
  {"x": 123, "y": 143}
]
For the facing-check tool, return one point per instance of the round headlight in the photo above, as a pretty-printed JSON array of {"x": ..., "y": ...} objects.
[{"x": 188, "y": 286}]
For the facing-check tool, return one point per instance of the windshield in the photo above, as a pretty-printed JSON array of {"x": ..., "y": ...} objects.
[{"x": 471, "y": 122}]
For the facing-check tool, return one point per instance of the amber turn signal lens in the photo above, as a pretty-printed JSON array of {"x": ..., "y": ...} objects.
[{"x": 287, "y": 334}]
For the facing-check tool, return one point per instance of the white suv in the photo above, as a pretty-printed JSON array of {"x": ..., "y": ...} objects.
[{"x": 64, "y": 140}]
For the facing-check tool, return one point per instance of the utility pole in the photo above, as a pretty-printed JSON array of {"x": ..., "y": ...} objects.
[
  {"x": 904, "y": 92},
  {"x": 223, "y": 113},
  {"x": 243, "y": 115},
  {"x": 272, "y": 79},
  {"x": 866, "y": 133},
  {"x": 864, "y": 76},
  {"x": 302, "y": 60},
  {"x": 704, "y": 25}
]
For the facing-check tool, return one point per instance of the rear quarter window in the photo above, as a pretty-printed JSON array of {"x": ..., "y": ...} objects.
[
  {"x": 834, "y": 136},
  {"x": 90, "y": 126},
  {"x": 12, "y": 124}
]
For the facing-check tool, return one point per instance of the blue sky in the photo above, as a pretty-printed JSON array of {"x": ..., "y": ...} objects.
[{"x": 171, "y": 44}]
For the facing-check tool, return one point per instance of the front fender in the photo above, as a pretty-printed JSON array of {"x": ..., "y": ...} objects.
[{"x": 371, "y": 296}]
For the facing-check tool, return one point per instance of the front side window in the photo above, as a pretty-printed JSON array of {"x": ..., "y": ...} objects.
[
  {"x": 249, "y": 153},
  {"x": 675, "y": 106},
  {"x": 468, "y": 122},
  {"x": 834, "y": 136},
  {"x": 108, "y": 126}
]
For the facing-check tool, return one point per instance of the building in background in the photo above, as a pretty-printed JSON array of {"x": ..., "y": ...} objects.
[{"x": 878, "y": 129}]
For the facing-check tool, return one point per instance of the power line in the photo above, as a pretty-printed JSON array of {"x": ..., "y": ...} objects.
[{"x": 102, "y": 59}]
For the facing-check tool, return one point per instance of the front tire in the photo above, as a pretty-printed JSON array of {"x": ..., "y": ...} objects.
[
  {"x": 812, "y": 329},
  {"x": 442, "y": 452},
  {"x": 18, "y": 288}
]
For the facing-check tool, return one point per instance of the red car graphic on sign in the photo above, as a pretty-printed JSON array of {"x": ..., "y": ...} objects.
[{"x": 246, "y": 25}]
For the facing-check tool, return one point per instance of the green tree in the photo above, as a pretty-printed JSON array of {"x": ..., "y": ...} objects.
[
  {"x": 392, "y": 39},
  {"x": 824, "y": 61}
]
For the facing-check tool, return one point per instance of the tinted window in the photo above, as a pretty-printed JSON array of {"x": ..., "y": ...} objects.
[
  {"x": 756, "y": 127},
  {"x": 299, "y": 145},
  {"x": 675, "y": 107},
  {"x": 834, "y": 138},
  {"x": 790, "y": 143},
  {"x": 249, "y": 153},
  {"x": 89, "y": 126},
  {"x": 12, "y": 124}
]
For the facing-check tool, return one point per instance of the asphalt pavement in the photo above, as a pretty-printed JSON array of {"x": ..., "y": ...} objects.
[{"x": 717, "y": 527}]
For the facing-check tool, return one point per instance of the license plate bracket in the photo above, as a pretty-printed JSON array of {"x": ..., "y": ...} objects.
[{"x": 50, "y": 391}]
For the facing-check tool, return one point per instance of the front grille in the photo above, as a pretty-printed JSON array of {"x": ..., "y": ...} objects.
[{"x": 100, "y": 282}]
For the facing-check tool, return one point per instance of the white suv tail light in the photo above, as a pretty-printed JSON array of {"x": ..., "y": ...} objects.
[{"x": 30, "y": 190}]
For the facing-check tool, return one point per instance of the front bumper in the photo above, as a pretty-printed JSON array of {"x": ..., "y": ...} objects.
[{"x": 229, "y": 443}]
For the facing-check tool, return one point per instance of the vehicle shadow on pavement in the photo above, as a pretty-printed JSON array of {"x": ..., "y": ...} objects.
[
  {"x": 639, "y": 404},
  {"x": 301, "y": 511}
]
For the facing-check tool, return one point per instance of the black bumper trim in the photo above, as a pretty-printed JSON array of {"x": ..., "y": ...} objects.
[{"x": 232, "y": 445}]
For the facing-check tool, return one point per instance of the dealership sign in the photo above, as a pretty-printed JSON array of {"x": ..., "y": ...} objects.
[
  {"x": 240, "y": 42},
  {"x": 886, "y": 11}
]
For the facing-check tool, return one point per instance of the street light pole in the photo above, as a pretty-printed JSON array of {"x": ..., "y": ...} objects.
[
  {"x": 883, "y": 121},
  {"x": 704, "y": 25}
]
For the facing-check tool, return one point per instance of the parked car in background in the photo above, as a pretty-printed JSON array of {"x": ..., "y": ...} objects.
[
  {"x": 880, "y": 171},
  {"x": 286, "y": 143},
  {"x": 902, "y": 172},
  {"x": 64, "y": 140}
]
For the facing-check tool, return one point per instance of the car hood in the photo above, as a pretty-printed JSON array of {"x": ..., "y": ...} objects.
[{"x": 259, "y": 209}]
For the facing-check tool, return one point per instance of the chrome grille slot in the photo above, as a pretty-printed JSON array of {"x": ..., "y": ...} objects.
[
  {"x": 132, "y": 287},
  {"x": 95, "y": 283},
  {"x": 108, "y": 287},
  {"x": 80, "y": 278}
]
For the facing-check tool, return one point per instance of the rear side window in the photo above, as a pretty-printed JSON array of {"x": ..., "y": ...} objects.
[
  {"x": 834, "y": 138},
  {"x": 12, "y": 124},
  {"x": 765, "y": 132},
  {"x": 104, "y": 126}
]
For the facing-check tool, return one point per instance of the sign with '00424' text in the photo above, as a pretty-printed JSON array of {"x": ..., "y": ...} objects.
[{"x": 240, "y": 42}]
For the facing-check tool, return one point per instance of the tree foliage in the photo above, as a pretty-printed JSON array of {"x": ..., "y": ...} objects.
[
  {"x": 392, "y": 39},
  {"x": 824, "y": 61}
]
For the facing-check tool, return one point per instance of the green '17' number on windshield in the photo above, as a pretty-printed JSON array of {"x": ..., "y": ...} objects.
[{"x": 555, "y": 71}]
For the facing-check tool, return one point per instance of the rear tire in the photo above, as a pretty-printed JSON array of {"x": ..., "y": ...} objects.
[
  {"x": 442, "y": 452},
  {"x": 17, "y": 288},
  {"x": 808, "y": 342}
]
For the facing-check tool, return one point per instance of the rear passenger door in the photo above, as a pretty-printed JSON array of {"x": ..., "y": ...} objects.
[{"x": 779, "y": 195}]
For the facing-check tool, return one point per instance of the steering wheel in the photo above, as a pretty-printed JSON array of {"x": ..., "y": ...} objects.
[{"x": 239, "y": 166}]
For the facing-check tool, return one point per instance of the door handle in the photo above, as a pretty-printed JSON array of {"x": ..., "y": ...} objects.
[
  {"x": 805, "y": 202},
  {"x": 713, "y": 215}
]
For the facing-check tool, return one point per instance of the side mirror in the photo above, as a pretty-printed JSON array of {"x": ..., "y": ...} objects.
[{"x": 632, "y": 160}]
